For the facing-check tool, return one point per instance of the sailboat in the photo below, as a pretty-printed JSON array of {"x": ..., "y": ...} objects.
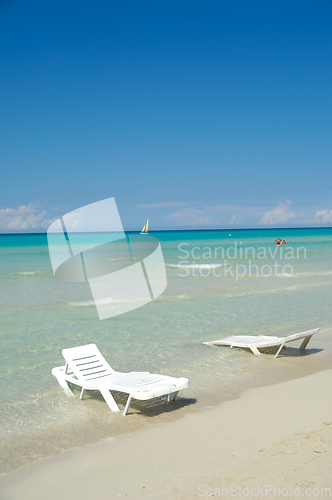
[{"x": 145, "y": 228}]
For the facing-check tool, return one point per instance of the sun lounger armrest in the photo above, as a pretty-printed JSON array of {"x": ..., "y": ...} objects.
[{"x": 211, "y": 344}]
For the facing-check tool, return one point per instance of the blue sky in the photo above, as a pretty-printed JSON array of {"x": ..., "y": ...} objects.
[{"x": 194, "y": 114}]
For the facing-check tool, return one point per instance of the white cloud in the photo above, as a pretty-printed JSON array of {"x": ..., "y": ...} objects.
[
  {"x": 323, "y": 217},
  {"x": 280, "y": 214},
  {"x": 189, "y": 216},
  {"x": 202, "y": 221},
  {"x": 283, "y": 214},
  {"x": 320, "y": 218},
  {"x": 236, "y": 221},
  {"x": 25, "y": 217},
  {"x": 167, "y": 204}
]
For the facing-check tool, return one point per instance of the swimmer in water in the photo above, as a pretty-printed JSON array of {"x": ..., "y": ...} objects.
[
  {"x": 284, "y": 242},
  {"x": 278, "y": 241}
]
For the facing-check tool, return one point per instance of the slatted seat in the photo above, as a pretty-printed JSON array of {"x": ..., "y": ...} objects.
[
  {"x": 253, "y": 342},
  {"x": 86, "y": 367}
]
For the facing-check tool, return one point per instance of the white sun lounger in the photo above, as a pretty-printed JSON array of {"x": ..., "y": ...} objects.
[
  {"x": 261, "y": 341},
  {"x": 86, "y": 367}
]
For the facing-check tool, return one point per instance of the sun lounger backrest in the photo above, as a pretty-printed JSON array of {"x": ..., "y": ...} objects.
[
  {"x": 301, "y": 335},
  {"x": 87, "y": 362}
]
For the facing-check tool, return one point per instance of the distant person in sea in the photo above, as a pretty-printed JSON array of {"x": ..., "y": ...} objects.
[
  {"x": 278, "y": 241},
  {"x": 284, "y": 242}
]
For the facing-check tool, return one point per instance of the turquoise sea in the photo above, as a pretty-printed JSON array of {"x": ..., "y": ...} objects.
[{"x": 220, "y": 283}]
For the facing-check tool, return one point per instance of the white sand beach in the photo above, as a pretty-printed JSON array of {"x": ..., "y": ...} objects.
[{"x": 275, "y": 438}]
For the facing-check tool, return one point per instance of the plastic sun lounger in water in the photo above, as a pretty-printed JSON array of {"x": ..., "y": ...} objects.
[
  {"x": 261, "y": 341},
  {"x": 86, "y": 367}
]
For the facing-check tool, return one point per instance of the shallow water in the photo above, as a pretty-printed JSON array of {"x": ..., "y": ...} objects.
[{"x": 41, "y": 315}]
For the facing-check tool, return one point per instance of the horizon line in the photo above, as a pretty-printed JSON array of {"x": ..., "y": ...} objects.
[{"x": 183, "y": 229}]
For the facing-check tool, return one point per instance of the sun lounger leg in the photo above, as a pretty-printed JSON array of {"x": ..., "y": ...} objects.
[
  {"x": 82, "y": 393},
  {"x": 173, "y": 395},
  {"x": 279, "y": 350},
  {"x": 254, "y": 349},
  {"x": 63, "y": 384},
  {"x": 305, "y": 343},
  {"x": 127, "y": 405},
  {"x": 109, "y": 399},
  {"x": 62, "y": 381}
]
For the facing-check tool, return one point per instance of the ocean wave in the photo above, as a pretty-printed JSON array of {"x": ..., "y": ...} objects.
[
  {"x": 195, "y": 266},
  {"x": 183, "y": 296},
  {"x": 276, "y": 290},
  {"x": 100, "y": 302},
  {"x": 86, "y": 303},
  {"x": 263, "y": 291},
  {"x": 23, "y": 273},
  {"x": 29, "y": 272},
  {"x": 319, "y": 273}
]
